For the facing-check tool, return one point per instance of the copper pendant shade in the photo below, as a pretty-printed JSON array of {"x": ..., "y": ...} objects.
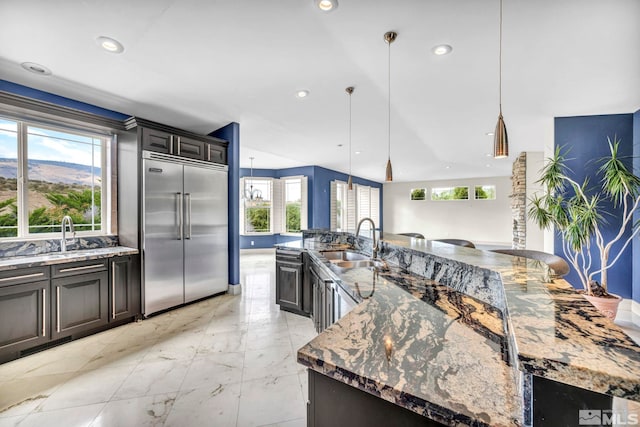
[
  {"x": 389, "y": 37},
  {"x": 500, "y": 141}
]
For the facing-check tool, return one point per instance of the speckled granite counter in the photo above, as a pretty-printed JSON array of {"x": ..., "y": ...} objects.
[
  {"x": 464, "y": 353},
  {"x": 15, "y": 262}
]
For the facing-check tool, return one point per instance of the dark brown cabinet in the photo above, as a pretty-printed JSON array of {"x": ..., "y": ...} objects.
[
  {"x": 157, "y": 140},
  {"x": 39, "y": 305},
  {"x": 164, "y": 139},
  {"x": 24, "y": 310},
  {"x": 124, "y": 288},
  {"x": 289, "y": 291},
  {"x": 80, "y": 297}
]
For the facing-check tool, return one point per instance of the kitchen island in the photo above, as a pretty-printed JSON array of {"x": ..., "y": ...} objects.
[{"x": 468, "y": 337}]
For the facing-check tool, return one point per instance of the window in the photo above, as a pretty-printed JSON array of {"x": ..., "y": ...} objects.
[
  {"x": 277, "y": 205},
  {"x": 64, "y": 173},
  {"x": 295, "y": 204},
  {"x": 418, "y": 194},
  {"x": 485, "y": 192},
  {"x": 348, "y": 207},
  {"x": 450, "y": 193},
  {"x": 257, "y": 216}
]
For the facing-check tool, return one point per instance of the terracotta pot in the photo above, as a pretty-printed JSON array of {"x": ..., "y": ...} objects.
[{"x": 607, "y": 306}]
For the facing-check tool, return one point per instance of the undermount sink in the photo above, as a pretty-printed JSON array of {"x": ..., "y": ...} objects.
[
  {"x": 337, "y": 256},
  {"x": 346, "y": 265}
]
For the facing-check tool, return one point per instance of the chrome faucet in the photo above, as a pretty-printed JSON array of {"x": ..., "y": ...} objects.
[
  {"x": 375, "y": 247},
  {"x": 67, "y": 221}
]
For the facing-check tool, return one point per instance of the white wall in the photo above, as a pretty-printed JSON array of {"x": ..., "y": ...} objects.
[
  {"x": 480, "y": 221},
  {"x": 535, "y": 162}
]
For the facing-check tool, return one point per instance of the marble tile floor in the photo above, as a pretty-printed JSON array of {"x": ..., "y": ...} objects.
[{"x": 225, "y": 361}]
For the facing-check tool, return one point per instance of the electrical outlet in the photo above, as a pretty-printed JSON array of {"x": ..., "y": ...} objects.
[{"x": 252, "y": 243}]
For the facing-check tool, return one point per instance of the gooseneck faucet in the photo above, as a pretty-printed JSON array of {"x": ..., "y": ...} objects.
[
  {"x": 375, "y": 248},
  {"x": 67, "y": 221}
]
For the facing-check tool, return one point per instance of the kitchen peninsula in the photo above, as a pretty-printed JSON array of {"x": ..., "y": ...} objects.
[{"x": 462, "y": 337}]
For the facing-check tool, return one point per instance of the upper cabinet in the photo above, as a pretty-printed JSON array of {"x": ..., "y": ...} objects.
[{"x": 168, "y": 140}]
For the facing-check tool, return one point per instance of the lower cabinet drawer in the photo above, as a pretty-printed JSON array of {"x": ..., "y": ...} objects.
[{"x": 79, "y": 303}]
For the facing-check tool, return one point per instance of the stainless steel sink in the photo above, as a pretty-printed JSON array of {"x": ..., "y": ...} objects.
[
  {"x": 346, "y": 265},
  {"x": 334, "y": 256}
]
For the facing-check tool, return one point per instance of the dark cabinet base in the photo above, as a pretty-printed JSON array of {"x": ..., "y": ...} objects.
[{"x": 332, "y": 403}]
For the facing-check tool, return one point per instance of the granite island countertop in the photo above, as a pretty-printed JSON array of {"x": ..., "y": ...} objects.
[{"x": 458, "y": 358}]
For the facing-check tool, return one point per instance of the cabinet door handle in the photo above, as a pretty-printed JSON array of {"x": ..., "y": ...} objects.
[
  {"x": 113, "y": 290},
  {"x": 171, "y": 144},
  {"x": 44, "y": 312},
  {"x": 24, "y": 276},
  {"x": 58, "y": 309},
  {"x": 84, "y": 267},
  {"x": 179, "y": 213},
  {"x": 187, "y": 197},
  {"x": 178, "y": 143}
]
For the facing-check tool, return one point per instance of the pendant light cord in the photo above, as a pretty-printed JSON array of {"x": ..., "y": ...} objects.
[
  {"x": 500, "y": 62},
  {"x": 389, "y": 106},
  {"x": 350, "y": 132}
]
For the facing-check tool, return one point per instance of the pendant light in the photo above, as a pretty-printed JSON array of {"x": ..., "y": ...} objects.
[
  {"x": 349, "y": 91},
  {"x": 500, "y": 141},
  {"x": 389, "y": 37},
  {"x": 250, "y": 193}
]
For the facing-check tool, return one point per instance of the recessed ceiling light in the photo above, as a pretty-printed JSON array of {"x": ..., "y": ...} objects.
[
  {"x": 447, "y": 167},
  {"x": 109, "y": 44},
  {"x": 489, "y": 134},
  {"x": 302, "y": 93},
  {"x": 326, "y": 5},
  {"x": 488, "y": 165},
  {"x": 36, "y": 68},
  {"x": 358, "y": 152},
  {"x": 441, "y": 49},
  {"x": 488, "y": 154}
]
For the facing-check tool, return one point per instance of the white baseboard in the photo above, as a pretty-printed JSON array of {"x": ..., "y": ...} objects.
[{"x": 235, "y": 289}]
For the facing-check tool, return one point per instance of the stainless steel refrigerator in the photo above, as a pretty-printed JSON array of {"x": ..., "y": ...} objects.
[{"x": 184, "y": 237}]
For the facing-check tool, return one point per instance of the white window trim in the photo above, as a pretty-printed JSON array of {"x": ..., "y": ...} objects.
[
  {"x": 243, "y": 182},
  {"x": 23, "y": 123},
  {"x": 304, "y": 205},
  {"x": 355, "y": 198}
]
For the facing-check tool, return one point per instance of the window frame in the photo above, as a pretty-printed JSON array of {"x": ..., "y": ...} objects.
[
  {"x": 304, "y": 204},
  {"x": 495, "y": 192},
  {"x": 243, "y": 211},
  {"x": 452, "y": 190},
  {"x": 108, "y": 194},
  {"x": 348, "y": 218}
]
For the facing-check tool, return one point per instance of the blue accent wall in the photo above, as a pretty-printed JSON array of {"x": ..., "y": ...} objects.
[
  {"x": 28, "y": 92},
  {"x": 586, "y": 139},
  {"x": 636, "y": 240},
  {"x": 231, "y": 133},
  {"x": 319, "y": 199}
]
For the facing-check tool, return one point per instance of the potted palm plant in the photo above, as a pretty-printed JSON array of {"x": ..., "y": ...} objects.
[{"x": 576, "y": 211}]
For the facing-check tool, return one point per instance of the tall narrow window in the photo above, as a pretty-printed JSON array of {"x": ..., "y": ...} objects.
[
  {"x": 348, "y": 207},
  {"x": 47, "y": 173},
  {"x": 8, "y": 178},
  {"x": 257, "y": 211},
  {"x": 294, "y": 204}
]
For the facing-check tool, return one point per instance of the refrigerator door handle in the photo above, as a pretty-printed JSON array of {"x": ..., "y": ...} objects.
[
  {"x": 179, "y": 214},
  {"x": 187, "y": 197}
]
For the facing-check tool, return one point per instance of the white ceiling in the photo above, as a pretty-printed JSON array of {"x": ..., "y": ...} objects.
[{"x": 200, "y": 64}]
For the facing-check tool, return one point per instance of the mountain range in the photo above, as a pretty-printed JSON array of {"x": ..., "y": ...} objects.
[{"x": 51, "y": 171}]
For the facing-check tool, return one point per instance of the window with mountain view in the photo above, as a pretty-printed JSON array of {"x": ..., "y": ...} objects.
[{"x": 63, "y": 175}]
